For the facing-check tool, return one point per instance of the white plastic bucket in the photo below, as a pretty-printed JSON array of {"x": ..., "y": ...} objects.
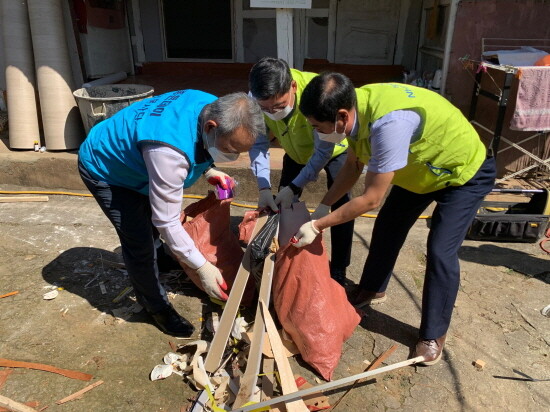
[{"x": 98, "y": 103}]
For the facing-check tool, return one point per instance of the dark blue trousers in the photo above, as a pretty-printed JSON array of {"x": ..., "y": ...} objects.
[
  {"x": 130, "y": 214},
  {"x": 456, "y": 207},
  {"x": 341, "y": 235}
]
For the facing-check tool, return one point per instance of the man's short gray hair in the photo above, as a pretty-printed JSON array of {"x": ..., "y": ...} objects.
[{"x": 236, "y": 110}]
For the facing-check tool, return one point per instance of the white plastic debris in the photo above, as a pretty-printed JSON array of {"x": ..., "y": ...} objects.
[
  {"x": 161, "y": 372},
  {"x": 51, "y": 295},
  {"x": 213, "y": 322},
  {"x": 546, "y": 311},
  {"x": 239, "y": 327},
  {"x": 171, "y": 358}
]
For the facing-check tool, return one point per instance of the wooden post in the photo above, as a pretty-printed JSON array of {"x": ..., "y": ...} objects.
[{"x": 285, "y": 38}]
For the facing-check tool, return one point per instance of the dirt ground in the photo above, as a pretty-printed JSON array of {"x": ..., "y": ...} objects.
[{"x": 68, "y": 243}]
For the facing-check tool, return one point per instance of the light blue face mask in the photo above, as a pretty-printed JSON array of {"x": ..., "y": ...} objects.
[{"x": 218, "y": 156}]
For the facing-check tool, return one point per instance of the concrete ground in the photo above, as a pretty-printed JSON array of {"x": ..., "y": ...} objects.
[{"x": 67, "y": 242}]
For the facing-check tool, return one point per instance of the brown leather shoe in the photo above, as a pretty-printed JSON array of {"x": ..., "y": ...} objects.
[
  {"x": 430, "y": 349},
  {"x": 361, "y": 297}
]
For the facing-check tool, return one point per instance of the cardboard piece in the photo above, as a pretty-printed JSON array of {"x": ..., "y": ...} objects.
[{"x": 315, "y": 401}]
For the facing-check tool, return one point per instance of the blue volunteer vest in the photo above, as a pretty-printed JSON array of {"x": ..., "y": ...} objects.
[{"x": 112, "y": 150}]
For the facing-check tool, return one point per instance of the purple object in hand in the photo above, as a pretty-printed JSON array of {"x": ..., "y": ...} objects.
[{"x": 222, "y": 193}]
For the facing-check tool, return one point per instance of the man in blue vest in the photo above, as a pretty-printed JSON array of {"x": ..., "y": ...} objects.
[{"x": 137, "y": 164}]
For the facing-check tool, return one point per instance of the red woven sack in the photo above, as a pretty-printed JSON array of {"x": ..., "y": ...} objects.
[
  {"x": 312, "y": 308},
  {"x": 208, "y": 223},
  {"x": 246, "y": 227}
]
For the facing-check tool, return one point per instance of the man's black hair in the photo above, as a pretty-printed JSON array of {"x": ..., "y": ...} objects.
[
  {"x": 325, "y": 94},
  {"x": 269, "y": 77}
]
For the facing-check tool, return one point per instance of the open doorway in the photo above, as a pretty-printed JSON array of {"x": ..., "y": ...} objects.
[{"x": 197, "y": 29}]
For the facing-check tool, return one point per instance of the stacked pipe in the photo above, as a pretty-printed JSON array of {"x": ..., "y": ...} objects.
[
  {"x": 60, "y": 114},
  {"x": 20, "y": 78}
]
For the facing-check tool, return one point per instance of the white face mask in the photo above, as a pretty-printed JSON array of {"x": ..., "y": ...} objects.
[
  {"x": 333, "y": 137},
  {"x": 280, "y": 115},
  {"x": 218, "y": 156}
]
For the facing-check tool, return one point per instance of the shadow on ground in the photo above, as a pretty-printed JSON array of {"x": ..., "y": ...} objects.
[
  {"x": 519, "y": 261},
  {"x": 97, "y": 275}
]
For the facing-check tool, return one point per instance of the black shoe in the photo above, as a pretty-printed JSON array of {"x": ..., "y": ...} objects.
[
  {"x": 339, "y": 276},
  {"x": 171, "y": 323}
]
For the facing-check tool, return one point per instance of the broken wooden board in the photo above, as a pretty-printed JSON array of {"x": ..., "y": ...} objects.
[
  {"x": 288, "y": 384},
  {"x": 219, "y": 342},
  {"x": 14, "y": 406},
  {"x": 250, "y": 377},
  {"x": 31, "y": 404},
  {"x": 39, "y": 366},
  {"x": 14, "y": 199},
  {"x": 329, "y": 385},
  {"x": 78, "y": 395}
]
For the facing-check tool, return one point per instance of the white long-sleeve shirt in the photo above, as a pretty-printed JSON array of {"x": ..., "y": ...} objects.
[{"x": 167, "y": 171}]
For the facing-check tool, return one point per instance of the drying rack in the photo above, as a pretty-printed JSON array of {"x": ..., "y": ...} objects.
[{"x": 501, "y": 96}]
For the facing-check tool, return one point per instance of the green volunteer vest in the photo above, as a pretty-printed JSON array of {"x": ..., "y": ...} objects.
[
  {"x": 295, "y": 134},
  {"x": 448, "y": 152}
]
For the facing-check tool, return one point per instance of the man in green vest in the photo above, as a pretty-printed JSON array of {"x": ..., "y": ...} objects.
[
  {"x": 416, "y": 140},
  {"x": 278, "y": 90}
]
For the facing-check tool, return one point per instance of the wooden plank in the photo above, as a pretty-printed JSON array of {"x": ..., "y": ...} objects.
[
  {"x": 250, "y": 377},
  {"x": 14, "y": 199},
  {"x": 79, "y": 394},
  {"x": 269, "y": 382},
  {"x": 286, "y": 377},
  {"x": 39, "y": 366},
  {"x": 31, "y": 404},
  {"x": 214, "y": 356},
  {"x": 329, "y": 385},
  {"x": 14, "y": 406}
]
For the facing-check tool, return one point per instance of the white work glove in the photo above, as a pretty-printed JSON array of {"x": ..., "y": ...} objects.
[
  {"x": 321, "y": 211},
  {"x": 212, "y": 281},
  {"x": 306, "y": 235},
  {"x": 217, "y": 177},
  {"x": 285, "y": 197},
  {"x": 266, "y": 200}
]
